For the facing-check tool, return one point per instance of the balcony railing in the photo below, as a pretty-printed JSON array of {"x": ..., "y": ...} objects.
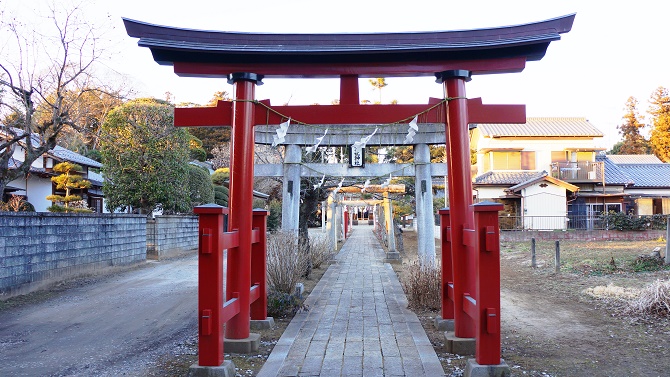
[{"x": 584, "y": 171}]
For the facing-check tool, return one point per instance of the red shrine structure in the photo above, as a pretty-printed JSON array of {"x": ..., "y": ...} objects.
[{"x": 470, "y": 233}]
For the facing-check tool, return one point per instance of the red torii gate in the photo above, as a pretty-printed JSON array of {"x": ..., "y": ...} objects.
[{"x": 471, "y": 298}]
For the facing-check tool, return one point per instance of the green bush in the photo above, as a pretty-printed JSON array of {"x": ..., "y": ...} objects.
[
  {"x": 201, "y": 189},
  {"x": 221, "y": 194},
  {"x": 281, "y": 305},
  {"x": 274, "y": 218},
  {"x": 627, "y": 221}
]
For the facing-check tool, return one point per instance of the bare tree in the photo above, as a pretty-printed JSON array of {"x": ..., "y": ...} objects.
[{"x": 46, "y": 68}]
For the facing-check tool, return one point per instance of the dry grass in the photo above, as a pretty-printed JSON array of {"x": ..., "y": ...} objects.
[
  {"x": 287, "y": 261},
  {"x": 320, "y": 251},
  {"x": 422, "y": 286},
  {"x": 654, "y": 299}
]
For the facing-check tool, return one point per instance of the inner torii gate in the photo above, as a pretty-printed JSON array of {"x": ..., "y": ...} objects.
[{"x": 452, "y": 56}]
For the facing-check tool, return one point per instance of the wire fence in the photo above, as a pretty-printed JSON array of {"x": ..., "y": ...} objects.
[{"x": 609, "y": 221}]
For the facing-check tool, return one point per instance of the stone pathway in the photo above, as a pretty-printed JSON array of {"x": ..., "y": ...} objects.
[{"x": 358, "y": 323}]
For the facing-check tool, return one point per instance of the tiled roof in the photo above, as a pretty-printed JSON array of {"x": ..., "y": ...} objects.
[
  {"x": 506, "y": 177},
  {"x": 620, "y": 159},
  {"x": 648, "y": 175},
  {"x": 544, "y": 177},
  {"x": 95, "y": 178},
  {"x": 542, "y": 127},
  {"x": 613, "y": 174},
  {"x": 60, "y": 152},
  {"x": 68, "y": 155}
]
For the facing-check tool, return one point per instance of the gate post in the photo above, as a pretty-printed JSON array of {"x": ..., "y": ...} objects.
[
  {"x": 487, "y": 260},
  {"x": 346, "y": 223},
  {"x": 460, "y": 193},
  {"x": 446, "y": 320},
  {"x": 259, "y": 308},
  {"x": 210, "y": 284},
  {"x": 241, "y": 199}
]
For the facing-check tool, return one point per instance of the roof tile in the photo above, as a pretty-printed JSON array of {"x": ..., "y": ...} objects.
[{"x": 542, "y": 127}]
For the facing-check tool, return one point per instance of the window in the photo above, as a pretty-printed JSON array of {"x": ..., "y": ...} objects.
[
  {"x": 527, "y": 160},
  {"x": 506, "y": 160},
  {"x": 558, "y": 156},
  {"x": 512, "y": 160}
]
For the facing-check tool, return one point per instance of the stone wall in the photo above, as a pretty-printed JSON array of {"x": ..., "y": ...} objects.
[
  {"x": 171, "y": 235},
  {"x": 37, "y": 248}
]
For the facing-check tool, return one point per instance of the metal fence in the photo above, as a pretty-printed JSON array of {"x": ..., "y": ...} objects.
[{"x": 610, "y": 221}]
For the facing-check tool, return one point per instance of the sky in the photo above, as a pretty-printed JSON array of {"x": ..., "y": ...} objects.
[{"x": 615, "y": 50}]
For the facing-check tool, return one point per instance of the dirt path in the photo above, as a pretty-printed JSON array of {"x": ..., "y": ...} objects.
[
  {"x": 116, "y": 325},
  {"x": 551, "y": 326}
]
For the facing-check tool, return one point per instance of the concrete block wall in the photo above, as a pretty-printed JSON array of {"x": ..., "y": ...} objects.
[
  {"x": 170, "y": 235},
  {"x": 37, "y": 248}
]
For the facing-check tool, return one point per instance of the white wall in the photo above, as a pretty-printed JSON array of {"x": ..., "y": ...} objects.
[
  {"x": 37, "y": 191},
  {"x": 544, "y": 201},
  {"x": 484, "y": 193}
]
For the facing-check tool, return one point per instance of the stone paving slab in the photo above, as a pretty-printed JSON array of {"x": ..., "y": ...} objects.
[{"x": 358, "y": 323}]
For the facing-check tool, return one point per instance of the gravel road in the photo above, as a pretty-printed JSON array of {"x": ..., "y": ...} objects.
[{"x": 113, "y": 325}]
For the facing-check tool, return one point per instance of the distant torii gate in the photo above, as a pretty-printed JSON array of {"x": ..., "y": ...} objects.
[{"x": 453, "y": 57}]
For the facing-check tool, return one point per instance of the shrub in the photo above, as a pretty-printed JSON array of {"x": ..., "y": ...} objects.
[
  {"x": 287, "y": 261},
  {"x": 16, "y": 204},
  {"x": 274, "y": 218},
  {"x": 281, "y": 305},
  {"x": 221, "y": 195},
  {"x": 320, "y": 251},
  {"x": 422, "y": 287},
  {"x": 200, "y": 187},
  {"x": 628, "y": 221}
]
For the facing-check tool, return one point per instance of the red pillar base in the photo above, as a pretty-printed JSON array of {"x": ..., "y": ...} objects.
[
  {"x": 262, "y": 324},
  {"x": 246, "y": 345},
  {"x": 459, "y": 346},
  {"x": 472, "y": 369},
  {"x": 227, "y": 369},
  {"x": 442, "y": 324}
]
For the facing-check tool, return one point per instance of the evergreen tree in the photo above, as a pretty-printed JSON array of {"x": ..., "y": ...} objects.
[
  {"x": 145, "y": 158},
  {"x": 68, "y": 181},
  {"x": 660, "y": 132},
  {"x": 633, "y": 141}
]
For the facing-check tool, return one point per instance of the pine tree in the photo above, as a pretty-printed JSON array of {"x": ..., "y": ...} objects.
[
  {"x": 67, "y": 181},
  {"x": 633, "y": 141},
  {"x": 660, "y": 132}
]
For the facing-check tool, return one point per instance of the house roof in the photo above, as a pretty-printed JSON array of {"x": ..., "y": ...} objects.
[
  {"x": 65, "y": 154},
  {"x": 542, "y": 127},
  {"x": 544, "y": 177},
  {"x": 648, "y": 175},
  {"x": 504, "y": 178},
  {"x": 613, "y": 174},
  {"x": 58, "y": 152},
  {"x": 620, "y": 159}
]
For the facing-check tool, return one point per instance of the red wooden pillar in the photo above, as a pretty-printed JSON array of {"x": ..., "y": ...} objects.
[
  {"x": 447, "y": 267},
  {"x": 241, "y": 199},
  {"x": 460, "y": 193},
  {"x": 210, "y": 284},
  {"x": 346, "y": 223},
  {"x": 487, "y": 259},
  {"x": 259, "y": 308}
]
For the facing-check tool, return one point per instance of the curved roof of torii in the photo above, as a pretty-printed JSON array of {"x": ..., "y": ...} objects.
[{"x": 214, "y": 53}]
